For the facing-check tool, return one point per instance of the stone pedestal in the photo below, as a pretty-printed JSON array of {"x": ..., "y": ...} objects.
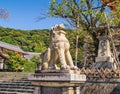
[
  {"x": 57, "y": 81},
  {"x": 104, "y": 58}
]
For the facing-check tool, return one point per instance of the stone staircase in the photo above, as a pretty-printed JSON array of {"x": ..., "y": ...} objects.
[{"x": 22, "y": 86}]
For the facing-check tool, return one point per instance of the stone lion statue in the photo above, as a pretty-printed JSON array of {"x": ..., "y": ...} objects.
[{"x": 57, "y": 50}]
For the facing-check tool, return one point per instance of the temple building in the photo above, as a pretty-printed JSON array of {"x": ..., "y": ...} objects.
[{"x": 5, "y": 47}]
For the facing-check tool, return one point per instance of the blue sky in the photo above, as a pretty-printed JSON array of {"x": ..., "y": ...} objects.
[{"x": 23, "y": 14}]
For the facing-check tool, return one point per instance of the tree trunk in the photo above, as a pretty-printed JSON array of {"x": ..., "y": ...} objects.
[{"x": 76, "y": 49}]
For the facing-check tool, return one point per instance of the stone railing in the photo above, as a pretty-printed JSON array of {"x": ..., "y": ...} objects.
[
  {"x": 100, "y": 73},
  {"x": 101, "y": 81}
]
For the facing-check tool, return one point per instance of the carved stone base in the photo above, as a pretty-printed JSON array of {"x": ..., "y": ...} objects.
[
  {"x": 104, "y": 65},
  {"x": 61, "y": 81},
  {"x": 57, "y": 76},
  {"x": 104, "y": 59},
  {"x": 104, "y": 62}
]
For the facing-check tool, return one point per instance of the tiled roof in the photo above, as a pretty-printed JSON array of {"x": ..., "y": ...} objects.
[
  {"x": 11, "y": 47},
  {"x": 30, "y": 55}
]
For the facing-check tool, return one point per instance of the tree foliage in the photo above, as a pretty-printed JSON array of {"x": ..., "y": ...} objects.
[
  {"x": 37, "y": 60},
  {"x": 86, "y": 15},
  {"x": 81, "y": 14},
  {"x": 38, "y": 40},
  {"x": 16, "y": 63},
  {"x": 32, "y": 41},
  {"x": 85, "y": 12},
  {"x": 25, "y": 40}
]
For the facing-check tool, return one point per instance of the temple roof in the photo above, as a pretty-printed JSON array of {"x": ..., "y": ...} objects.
[
  {"x": 27, "y": 55},
  {"x": 30, "y": 55},
  {"x": 11, "y": 47}
]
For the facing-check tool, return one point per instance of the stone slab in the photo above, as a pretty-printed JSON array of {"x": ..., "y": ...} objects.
[
  {"x": 104, "y": 59},
  {"x": 58, "y": 71},
  {"x": 45, "y": 76},
  {"x": 56, "y": 84}
]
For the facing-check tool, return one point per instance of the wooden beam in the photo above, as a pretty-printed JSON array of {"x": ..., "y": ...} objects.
[{"x": 3, "y": 56}]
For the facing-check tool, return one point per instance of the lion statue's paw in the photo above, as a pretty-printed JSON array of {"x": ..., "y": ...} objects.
[
  {"x": 65, "y": 67},
  {"x": 74, "y": 68}
]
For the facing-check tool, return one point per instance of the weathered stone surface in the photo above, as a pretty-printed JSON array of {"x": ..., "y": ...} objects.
[
  {"x": 105, "y": 57},
  {"x": 61, "y": 81},
  {"x": 51, "y": 90},
  {"x": 104, "y": 47},
  {"x": 55, "y": 75},
  {"x": 100, "y": 88},
  {"x": 64, "y": 79},
  {"x": 91, "y": 86},
  {"x": 56, "y": 90},
  {"x": 16, "y": 86},
  {"x": 6, "y": 76},
  {"x": 58, "y": 50}
]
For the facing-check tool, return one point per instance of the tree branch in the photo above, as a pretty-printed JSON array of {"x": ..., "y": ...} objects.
[{"x": 89, "y": 8}]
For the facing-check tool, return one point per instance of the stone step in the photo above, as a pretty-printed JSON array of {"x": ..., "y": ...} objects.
[
  {"x": 17, "y": 90},
  {"x": 16, "y": 81},
  {"x": 8, "y": 92},
  {"x": 19, "y": 84},
  {"x": 9, "y": 79},
  {"x": 22, "y": 79},
  {"x": 16, "y": 86},
  {"x": 1, "y": 81}
]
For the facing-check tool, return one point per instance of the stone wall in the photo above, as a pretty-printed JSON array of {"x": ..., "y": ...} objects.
[
  {"x": 6, "y": 76},
  {"x": 50, "y": 90},
  {"x": 88, "y": 88},
  {"x": 101, "y": 81},
  {"x": 91, "y": 86},
  {"x": 100, "y": 87}
]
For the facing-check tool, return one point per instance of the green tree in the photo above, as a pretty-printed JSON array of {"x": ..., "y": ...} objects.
[
  {"x": 85, "y": 15},
  {"x": 29, "y": 66},
  {"x": 37, "y": 61},
  {"x": 16, "y": 63},
  {"x": 81, "y": 14}
]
